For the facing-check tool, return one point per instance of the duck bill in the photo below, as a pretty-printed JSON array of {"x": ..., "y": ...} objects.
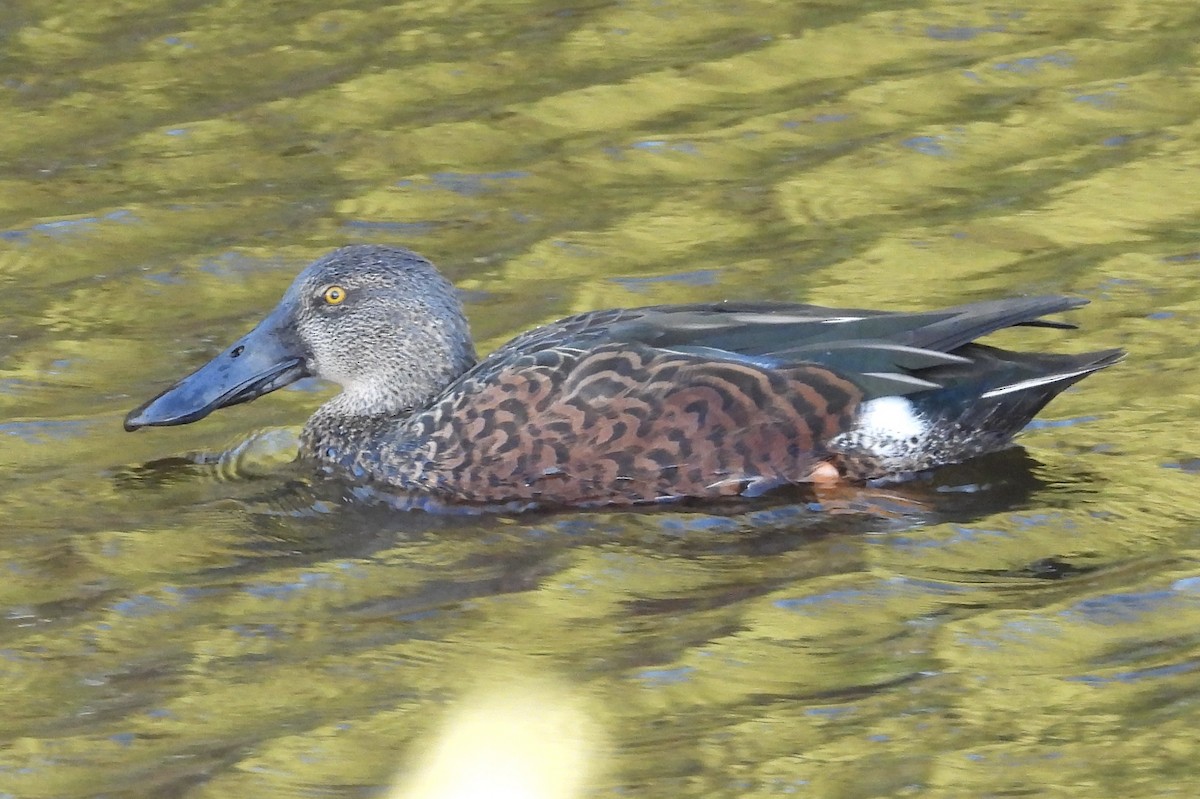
[{"x": 267, "y": 358}]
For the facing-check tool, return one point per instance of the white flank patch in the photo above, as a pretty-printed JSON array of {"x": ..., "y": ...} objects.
[{"x": 889, "y": 418}]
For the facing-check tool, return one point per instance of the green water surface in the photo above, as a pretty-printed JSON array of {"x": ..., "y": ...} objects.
[{"x": 187, "y": 614}]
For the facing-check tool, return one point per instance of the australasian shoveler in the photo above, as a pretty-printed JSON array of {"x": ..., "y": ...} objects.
[{"x": 631, "y": 405}]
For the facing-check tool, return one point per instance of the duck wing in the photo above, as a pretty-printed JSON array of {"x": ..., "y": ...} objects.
[{"x": 883, "y": 352}]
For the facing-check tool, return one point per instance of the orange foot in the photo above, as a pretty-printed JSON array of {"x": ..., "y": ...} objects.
[{"x": 835, "y": 494}]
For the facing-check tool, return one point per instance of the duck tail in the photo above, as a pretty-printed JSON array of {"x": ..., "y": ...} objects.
[
  {"x": 965, "y": 323},
  {"x": 976, "y": 406},
  {"x": 1001, "y": 391},
  {"x": 1056, "y": 376}
]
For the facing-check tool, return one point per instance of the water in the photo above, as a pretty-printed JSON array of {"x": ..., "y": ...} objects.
[{"x": 187, "y": 614}]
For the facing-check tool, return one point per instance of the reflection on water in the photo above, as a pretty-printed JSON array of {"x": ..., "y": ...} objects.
[
  {"x": 520, "y": 739},
  {"x": 189, "y": 614}
]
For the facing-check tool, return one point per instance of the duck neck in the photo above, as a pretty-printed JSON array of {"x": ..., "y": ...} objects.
[{"x": 353, "y": 418}]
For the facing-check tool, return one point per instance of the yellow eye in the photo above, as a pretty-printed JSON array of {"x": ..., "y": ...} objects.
[{"x": 334, "y": 295}]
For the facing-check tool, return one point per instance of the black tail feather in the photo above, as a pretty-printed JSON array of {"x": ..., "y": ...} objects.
[
  {"x": 1002, "y": 391},
  {"x": 969, "y": 322}
]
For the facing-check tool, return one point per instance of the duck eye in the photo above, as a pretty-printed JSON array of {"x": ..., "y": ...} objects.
[{"x": 334, "y": 295}]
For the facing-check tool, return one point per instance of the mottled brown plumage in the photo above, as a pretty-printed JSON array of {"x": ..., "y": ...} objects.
[
  {"x": 616, "y": 424},
  {"x": 628, "y": 405}
]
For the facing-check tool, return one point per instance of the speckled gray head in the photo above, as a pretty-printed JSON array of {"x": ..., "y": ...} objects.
[{"x": 381, "y": 322}]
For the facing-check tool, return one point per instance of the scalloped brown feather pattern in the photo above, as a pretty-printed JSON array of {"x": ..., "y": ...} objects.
[{"x": 618, "y": 424}]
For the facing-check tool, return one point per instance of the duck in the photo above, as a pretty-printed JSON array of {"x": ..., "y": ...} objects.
[{"x": 627, "y": 406}]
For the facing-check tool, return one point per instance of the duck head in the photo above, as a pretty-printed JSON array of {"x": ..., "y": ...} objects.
[{"x": 381, "y": 322}]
